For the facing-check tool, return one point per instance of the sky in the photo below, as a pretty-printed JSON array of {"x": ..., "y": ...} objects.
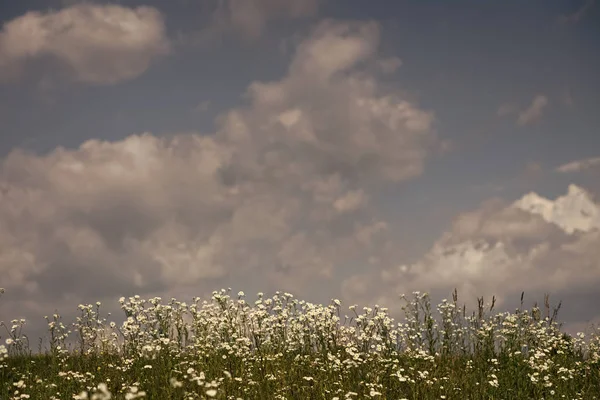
[{"x": 332, "y": 149}]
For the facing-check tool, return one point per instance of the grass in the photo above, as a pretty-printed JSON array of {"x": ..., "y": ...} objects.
[{"x": 282, "y": 348}]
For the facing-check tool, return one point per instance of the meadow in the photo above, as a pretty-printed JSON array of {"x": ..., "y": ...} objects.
[{"x": 283, "y": 348}]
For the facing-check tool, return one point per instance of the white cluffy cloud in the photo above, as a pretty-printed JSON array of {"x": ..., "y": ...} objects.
[
  {"x": 533, "y": 245},
  {"x": 97, "y": 44},
  {"x": 278, "y": 195}
]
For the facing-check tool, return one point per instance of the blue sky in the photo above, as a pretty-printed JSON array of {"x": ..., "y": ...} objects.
[{"x": 398, "y": 122}]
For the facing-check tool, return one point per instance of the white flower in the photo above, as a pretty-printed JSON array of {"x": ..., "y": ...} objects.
[{"x": 175, "y": 383}]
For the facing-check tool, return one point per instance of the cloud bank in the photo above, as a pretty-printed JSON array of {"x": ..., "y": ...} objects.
[
  {"x": 282, "y": 190},
  {"x": 534, "y": 245}
]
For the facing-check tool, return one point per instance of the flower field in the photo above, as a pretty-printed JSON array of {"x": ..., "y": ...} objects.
[{"x": 283, "y": 348}]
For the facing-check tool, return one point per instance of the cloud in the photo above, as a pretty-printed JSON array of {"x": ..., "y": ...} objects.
[
  {"x": 568, "y": 99},
  {"x": 579, "y": 165},
  {"x": 577, "y": 15},
  {"x": 534, "y": 112},
  {"x": 350, "y": 201},
  {"x": 533, "y": 245},
  {"x": 532, "y": 170},
  {"x": 506, "y": 109},
  {"x": 279, "y": 195},
  {"x": 97, "y": 44},
  {"x": 248, "y": 18},
  {"x": 389, "y": 65},
  {"x": 203, "y": 106}
]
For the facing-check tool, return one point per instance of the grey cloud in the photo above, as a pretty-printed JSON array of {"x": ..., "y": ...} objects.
[
  {"x": 534, "y": 112},
  {"x": 575, "y": 17},
  {"x": 389, "y": 65},
  {"x": 579, "y": 165},
  {"x": 506, "y": 109},
  {"x": 95, "y": 44},
  {"x": 248, "y": 18}
]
